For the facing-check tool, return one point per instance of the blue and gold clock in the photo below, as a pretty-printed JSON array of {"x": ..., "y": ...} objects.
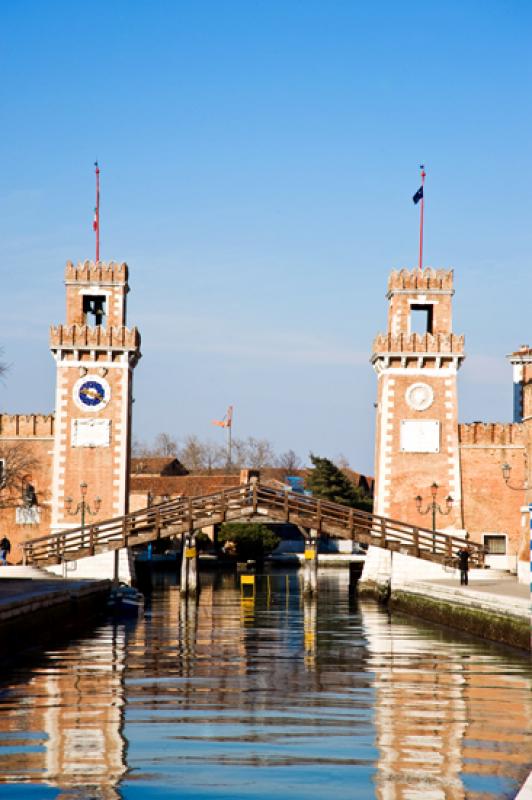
[{"x": 91, "y": 393}]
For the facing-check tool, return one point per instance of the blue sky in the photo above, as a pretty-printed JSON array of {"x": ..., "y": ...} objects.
[{"x": 258, "y": 161}]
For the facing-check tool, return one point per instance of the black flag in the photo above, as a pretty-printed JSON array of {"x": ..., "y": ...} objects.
[{"x": 418, "y": 195}]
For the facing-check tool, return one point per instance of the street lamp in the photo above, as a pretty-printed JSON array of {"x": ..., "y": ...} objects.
[
  {"x": 83, "y": 507},
  {"x": 435, "y": 507},
  {"x": 506, "y": 472}
]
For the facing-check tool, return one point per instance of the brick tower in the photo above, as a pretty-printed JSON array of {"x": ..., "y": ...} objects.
[
  {"x": 95, "y": 355},
  {"x": 416, "y": 362}
]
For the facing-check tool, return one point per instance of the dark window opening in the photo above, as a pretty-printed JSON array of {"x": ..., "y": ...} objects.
[
  {"x": 29, "y": 496},
  {"x": 495, "y": 545},
  {"x": 421, "y": 317},
  {"x": 94, "y": 309}
]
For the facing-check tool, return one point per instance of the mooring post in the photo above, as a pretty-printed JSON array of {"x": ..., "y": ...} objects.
[
  {"x": 183, "y": 588},
  {"x": 189, "y": 567},
  {"x": 310, "y": 578},
  {"x": 116, "y": 567}
]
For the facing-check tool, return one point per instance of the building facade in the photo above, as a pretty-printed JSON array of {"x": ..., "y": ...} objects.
[
  {"x": 419, "y": 440},
  {"x": 80, "y": 454},
  {"x": 46, "y": 460}
]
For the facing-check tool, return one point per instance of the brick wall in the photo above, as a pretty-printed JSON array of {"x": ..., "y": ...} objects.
[
  {"x": 32, "y": 436},
  {"x": 490, "y": 506}
]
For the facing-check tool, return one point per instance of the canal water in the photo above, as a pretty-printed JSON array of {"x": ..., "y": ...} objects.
[{"x": 266, "y": 697}]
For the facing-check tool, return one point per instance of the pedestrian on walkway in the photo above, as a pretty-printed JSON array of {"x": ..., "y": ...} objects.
[
  {"x": 463, "y": 562},
  {"x": 5, "y": 548}
]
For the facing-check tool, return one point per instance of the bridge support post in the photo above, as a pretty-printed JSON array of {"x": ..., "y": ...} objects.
[
  {"x": 189, "y": 566},
  {"x": 116, "y": 567},
  {"x": 310, "y": 576}
]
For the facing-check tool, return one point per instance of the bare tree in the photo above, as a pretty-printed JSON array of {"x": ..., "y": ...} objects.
[
  {"x": 165, "y": 445},
  {"x": 239, "y": 453},
  {"x": 214, "y": 455},
  {"x": 259, "y": 453},
  {"x": 192, "y": 454},
  {"x": 17, "y": 464},
  {"x": 289, "y": 462}
]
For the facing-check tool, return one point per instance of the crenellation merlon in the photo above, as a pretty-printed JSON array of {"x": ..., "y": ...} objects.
[
  {"x": 84, "y": 336},
  {"x": 434, "y": 343},
  {"x": 103, "y": 273},
  {"x": 416, "y": 280},
  {"x": 26, "y": 425},
  {"x": 490, "y": 433}
]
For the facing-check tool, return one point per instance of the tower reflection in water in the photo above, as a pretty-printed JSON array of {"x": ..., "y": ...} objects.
[
  {"x": 62, "y": 721},
  {"x": 451, "y": 717},
  {"x": 226, "y": 696}
]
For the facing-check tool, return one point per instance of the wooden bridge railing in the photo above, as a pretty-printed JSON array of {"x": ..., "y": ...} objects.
[{"x": 188, "y": 514}]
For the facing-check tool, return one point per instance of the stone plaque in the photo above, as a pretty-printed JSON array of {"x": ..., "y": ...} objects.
[
  {"x": 91, "y": 432},
  {"x": 420, "y": 436},
  {"x": 27, "y": 515}
]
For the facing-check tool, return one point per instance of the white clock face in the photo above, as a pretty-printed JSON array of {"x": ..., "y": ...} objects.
[
  {"x": 91, "y": 393},
  {"x": 419, "y": 396}
]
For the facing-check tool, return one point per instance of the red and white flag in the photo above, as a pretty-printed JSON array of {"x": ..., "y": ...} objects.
[
  {"x": 227, "y": 421},
  {"x": 95, "y": 221}
]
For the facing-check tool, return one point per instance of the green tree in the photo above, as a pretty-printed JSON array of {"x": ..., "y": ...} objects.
[
  {"x": 328, "y": 482},
  {"x": 251, "y": 540}
]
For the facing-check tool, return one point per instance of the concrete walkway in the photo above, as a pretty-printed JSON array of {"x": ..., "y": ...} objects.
[
  {"x": 502, "y": 595},
  {"x": 24, "y": 591},
  {"x": 500, "y": 587}
]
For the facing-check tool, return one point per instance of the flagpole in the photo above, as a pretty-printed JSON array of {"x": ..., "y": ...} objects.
[
  {"x": 421, "y": 210},
  {"x": 229, "y": 418},
  {"x": 97, "y": 211}
]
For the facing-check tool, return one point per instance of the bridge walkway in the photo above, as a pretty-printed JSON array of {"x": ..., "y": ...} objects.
[{"x": 189, "y": 515}]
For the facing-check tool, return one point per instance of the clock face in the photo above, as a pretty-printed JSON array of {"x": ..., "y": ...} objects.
[
  {"x": 91, "y": 393},
  {"x": 419, "y": 396}
]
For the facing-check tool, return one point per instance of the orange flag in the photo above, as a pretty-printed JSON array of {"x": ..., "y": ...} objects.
[{"x": 226, "y": 422}]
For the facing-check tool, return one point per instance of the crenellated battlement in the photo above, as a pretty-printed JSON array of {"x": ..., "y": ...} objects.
[
  {"x": 27, "y": 425},
  {"x": 94, "y": 338},
  {"x": 496, "y": 434},
  {"x": 436, "y": 343},
  {"x": 415, "y": 280},
  {"x": 101, "y": 272}
]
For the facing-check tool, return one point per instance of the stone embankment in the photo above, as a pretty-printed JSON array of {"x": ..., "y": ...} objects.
[
  {"x": 494, "y": 607},
  {"x": 485, "y": 608},
  {"x": 36, "y": 606}
]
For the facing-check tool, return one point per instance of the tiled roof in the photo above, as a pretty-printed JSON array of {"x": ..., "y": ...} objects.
[
  {"x": 196, "y": 485},
  {"x": 187, "y": 485},
  {"x": 157, "y": 465}
]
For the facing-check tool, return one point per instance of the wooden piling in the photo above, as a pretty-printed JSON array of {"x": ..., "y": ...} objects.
[
  {"x": 310, "y": 576},
  {"x": 189, "y": 566}
]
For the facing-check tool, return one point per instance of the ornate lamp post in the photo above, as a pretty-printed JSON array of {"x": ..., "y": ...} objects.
[
  {"x": 434, "y": 508},
  {"x": 83, "y": 508}
]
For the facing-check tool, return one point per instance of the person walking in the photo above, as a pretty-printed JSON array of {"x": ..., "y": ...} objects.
[
  {"x": 463, "y": 562},
  {"x": 5, "y": 548}
]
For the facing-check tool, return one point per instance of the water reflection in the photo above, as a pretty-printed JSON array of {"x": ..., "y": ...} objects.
[
  {"x": 61, "y": 720},
  {"x": 453, "y": 720},
  {"x": 232, "y": 696}
]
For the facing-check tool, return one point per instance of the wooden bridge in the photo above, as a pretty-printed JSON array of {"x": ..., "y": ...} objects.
[{"x": 189, "y": 515}]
